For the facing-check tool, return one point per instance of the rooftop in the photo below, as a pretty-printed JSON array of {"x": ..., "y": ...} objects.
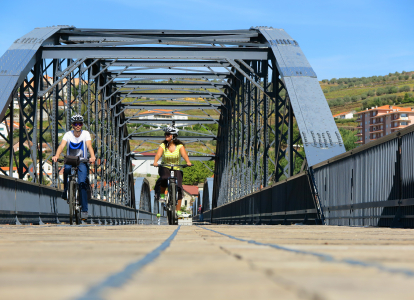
[
  {"x": 341, "y": 114},
  {"x": 191, "y": 189},
  {"x": 388, "y": 108}
]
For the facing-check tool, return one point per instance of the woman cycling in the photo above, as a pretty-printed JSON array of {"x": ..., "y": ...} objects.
[{"x": 171, "y": 150}]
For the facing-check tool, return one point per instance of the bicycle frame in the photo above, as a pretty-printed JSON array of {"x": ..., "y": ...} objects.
[
  {"x": 75, "y": 206},
  {"x": 171, "y": 202}
]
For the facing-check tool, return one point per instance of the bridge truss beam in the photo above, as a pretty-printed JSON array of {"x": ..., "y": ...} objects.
[{"x": 255, "y": 84}]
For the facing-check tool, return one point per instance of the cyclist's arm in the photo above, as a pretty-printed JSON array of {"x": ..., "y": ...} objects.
[
  {"x": 185, "y": 156},
  {"x": 90, "y": 149},
  {"x": 158, "y": 156},
  {"x": 59, "y": 150}
]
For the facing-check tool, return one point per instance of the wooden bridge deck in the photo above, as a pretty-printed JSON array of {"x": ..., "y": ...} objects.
[{"x": 208, "y": 262}]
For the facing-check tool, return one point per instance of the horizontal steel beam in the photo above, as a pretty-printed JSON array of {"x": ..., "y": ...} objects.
[
  {"x": 161, "y": 138},
  {"x": 151, "y": 157},
  {"x": 177, "y": 122},
  {"x": 167, "y": 64},
  {"x": 165, "y": 32},
  {"x": 172, "y": 95},
  {"x": 167, "y": 86},
  {"x": 170, "y": 75},
  {"x": 217, "y": 53},
  {"x": 173, "y": 107}
]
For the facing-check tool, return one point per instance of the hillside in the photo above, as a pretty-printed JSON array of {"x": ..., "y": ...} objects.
[
  {"x": 344, "y": 94},
  {"x": 347, "y": 94}
]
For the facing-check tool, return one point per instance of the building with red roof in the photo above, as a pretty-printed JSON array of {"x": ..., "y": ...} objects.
[
  {"x": 189, "y": 193},
  {"x": 344, "y": 115},
  {"x": 380, "y": 121}
]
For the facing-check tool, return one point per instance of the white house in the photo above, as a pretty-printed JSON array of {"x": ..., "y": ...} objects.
[
  {"x": 5, "y": 127},
  {"x": 345, "y": 115},
  {"x": 7, "y": 171},
  {"x": 144, "y": 166},
  {"x": 164, "y": 114}
]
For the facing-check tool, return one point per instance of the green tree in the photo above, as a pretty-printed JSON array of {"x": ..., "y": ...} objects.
[
  {"x": 347, "y": 99},
  {"x": 349, "y": 138},
  {"x": 392, "y": 90},
  {"x": 380, "y": 91},
  {"x": 404, "y": 88},
  {"x": 406, "y": 98},
  {"x": 355, "y": 98},
  {"x": 365, "y": 104},
  {"x": 198, "y": 173},
  {"x": 364, "y": 96},
  {"x": 4, "y": 161}
]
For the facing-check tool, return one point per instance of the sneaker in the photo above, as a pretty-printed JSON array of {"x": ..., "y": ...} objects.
[
  {"x": 65, "y": 195},
  {"x": 84, "y": 215}
]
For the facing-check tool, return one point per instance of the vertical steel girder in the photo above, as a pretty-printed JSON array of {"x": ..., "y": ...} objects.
[
  {"x": 257, "y": 146},
  {"x": 258, "y": 79}
]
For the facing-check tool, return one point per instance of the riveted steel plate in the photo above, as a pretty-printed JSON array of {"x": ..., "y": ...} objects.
[
  {"x": 320, "y": 135},
  {"x": 19, "y": 59},
  {"x": 7, "y": 84},
  {"x": 290, "y": 59},
  {"x": 13, "y": 62}
]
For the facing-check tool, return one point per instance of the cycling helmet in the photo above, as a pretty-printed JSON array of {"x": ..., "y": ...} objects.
[
  {"x": 171, "y": 129},
  {"x": 76, "y": 118}
]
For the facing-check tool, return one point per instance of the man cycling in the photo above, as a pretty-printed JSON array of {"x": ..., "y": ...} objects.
[
  {"x": 171, "y": 150},
  {"x": 79, "y": 143}
]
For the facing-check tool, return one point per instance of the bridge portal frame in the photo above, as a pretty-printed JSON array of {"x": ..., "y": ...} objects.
[{"x": 264, "y": 86}]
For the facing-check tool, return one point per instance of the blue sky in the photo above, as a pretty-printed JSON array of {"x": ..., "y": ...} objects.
[{"x": 350, "y": 38}]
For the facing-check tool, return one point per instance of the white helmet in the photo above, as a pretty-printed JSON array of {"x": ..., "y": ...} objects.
[
  {"x": 171, "y": 129},
  {"x": 76, "y": 118}
]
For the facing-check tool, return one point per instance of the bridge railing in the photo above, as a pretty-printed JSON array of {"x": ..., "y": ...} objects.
[
  {"x": 372, "y": 185},
  {"x": 23, "y": 202},
  {"x": 286, "y": 202}
]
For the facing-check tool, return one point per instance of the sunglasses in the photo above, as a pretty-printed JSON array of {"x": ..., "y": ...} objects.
[
  {"x": 77, "y": 124},
  {"x": 167, "y": 134}
]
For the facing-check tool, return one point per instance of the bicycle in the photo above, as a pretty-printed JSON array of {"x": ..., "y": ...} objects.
[
  {"x": 73, "y": 189},
  {"x": 172, "y": 196}
]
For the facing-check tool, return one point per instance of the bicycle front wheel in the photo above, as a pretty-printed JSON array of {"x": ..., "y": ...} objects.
[
  {"x": 71, "y": 197},
  {"x": 77, "y": 207},
  {"x": 173, "y": 197}
]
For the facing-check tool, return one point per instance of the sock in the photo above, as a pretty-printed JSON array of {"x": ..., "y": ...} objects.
[{"x": 162, "y": 196}]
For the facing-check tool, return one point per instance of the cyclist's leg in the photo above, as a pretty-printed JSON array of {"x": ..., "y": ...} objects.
[
  {"x": 162, "y": 182},
  {"x": 66, "y": 173},
  {"x": 83, "y": 171},
  {"x": 179, "y": 176}
]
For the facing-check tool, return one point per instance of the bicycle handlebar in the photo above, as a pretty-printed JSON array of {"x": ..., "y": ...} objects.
[
  {"x": 80, "y": 160},
  {"x": 171, "y": 165}
]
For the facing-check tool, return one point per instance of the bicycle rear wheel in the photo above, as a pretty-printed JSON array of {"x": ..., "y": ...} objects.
[{"x": 71, "y": 198}]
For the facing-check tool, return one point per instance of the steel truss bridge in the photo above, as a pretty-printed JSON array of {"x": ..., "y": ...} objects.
[{"x": 236, "y": 95}]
